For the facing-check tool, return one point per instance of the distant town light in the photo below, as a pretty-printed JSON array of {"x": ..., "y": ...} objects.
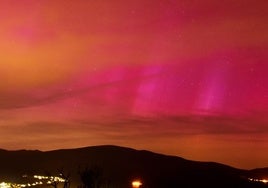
[
  {"x": 5, "y": 185},
  {"x": 259, "y": 180},
  {"x": 41, "y": 180},
  {"x": 136, "y": 184},
  {"x": 264, "y": 181}
]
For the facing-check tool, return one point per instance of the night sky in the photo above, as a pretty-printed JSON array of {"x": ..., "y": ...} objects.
[{"x": 180, "y": 77}]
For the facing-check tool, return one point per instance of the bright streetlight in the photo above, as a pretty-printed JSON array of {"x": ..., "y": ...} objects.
[{"x": 136, "y": 184}]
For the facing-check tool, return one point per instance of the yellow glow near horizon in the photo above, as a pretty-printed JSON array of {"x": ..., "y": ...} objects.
[
  {"x": 48, "y": 180},
  {"x": 5, "y": 185},
  {"x": 264, "y": 181},
  {"x": 259, "y": 180},
  {"x": 136, "y": 184}
]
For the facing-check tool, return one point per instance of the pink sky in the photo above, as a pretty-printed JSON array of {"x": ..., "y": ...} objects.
[{"x": 187, "y": 78}]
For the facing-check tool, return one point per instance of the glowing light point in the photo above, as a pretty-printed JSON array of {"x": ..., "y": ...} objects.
[
  {"x": 136, "y": 184},
  {"x": 5, "y": 185},
  {"x": 259, "y": 180},
  {"x": 264, "y": 181}
]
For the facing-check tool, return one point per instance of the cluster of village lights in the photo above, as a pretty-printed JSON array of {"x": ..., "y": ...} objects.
[
  {"x": 51, "y": 179},
  {"x": 41, "y": 180},
  {"x": 259, "y": 180}
]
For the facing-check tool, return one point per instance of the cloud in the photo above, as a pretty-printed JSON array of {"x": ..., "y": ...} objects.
[
  {"x": 84, "y": 83},
  {"x": 135, "y": 126}
]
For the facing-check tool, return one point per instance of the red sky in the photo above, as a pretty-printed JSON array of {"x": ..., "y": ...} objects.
[{"x": 180, "y": 77}]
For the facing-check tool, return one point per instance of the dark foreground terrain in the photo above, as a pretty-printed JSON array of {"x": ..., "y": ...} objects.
[{"x": 118, "y": 166}]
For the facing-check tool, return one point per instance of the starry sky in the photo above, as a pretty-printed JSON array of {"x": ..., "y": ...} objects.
[{"x": 180, "y": 77}]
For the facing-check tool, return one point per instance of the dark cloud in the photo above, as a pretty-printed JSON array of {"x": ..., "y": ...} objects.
[{"x": 177, "y": 125}]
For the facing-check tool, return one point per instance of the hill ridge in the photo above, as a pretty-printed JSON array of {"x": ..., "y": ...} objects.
[{"x": 121, "y": 164}]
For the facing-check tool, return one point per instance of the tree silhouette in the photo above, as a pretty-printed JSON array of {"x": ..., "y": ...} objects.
[
  {"x": 51, "y": 182},
  {"x": 91, "y": 177},
  {"x": 54, "y": 182},
  {"x": 66, "y": 177}
]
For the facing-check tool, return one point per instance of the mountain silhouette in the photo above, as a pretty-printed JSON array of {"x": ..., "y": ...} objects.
[{"x": 120, "y": 165}]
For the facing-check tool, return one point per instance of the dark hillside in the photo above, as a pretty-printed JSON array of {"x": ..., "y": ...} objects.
[{"x": 121, "y": 165}]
